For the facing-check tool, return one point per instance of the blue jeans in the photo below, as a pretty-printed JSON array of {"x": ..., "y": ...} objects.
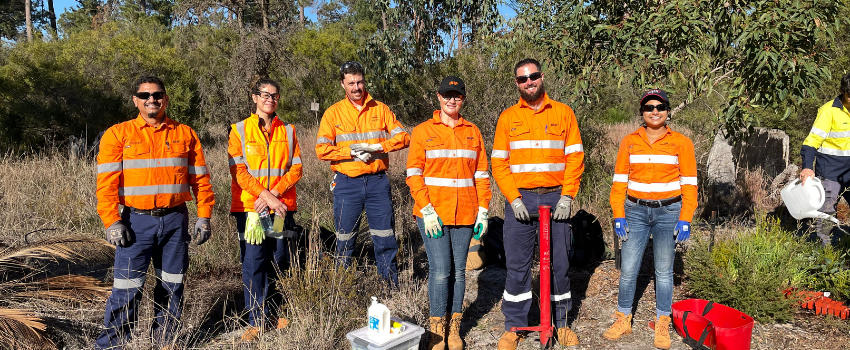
[
  {"x": 370, "y": 192},
  {"x": 644, "y": 222},
  {"x": 453, "y": 246}
]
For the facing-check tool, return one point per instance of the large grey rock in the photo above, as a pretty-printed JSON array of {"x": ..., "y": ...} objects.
[
  {"x": 765, "y": 148},
  {"x": 721, "y": 165}
]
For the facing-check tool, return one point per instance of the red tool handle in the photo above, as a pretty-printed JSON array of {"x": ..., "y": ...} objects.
[{"x": 545, "y": 328}]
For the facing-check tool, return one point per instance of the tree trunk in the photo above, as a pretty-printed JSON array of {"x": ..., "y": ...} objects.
[
  {"x": 459, "y": 36},
  {"x": 264, "y": 8},
  {"x": 143, "y": 6},
  {"x": 28, "y": 11},
  {"x": 300, "y": 14},
  {"x": 384, "y": 19},
  {"x": 52, "y": 14}
]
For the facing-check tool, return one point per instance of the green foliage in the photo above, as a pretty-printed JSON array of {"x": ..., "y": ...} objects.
[
  {"x": 750, "y": 272},
  {"x": 830, "y": 272}
]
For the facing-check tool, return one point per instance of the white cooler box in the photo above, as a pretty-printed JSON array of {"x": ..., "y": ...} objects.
[{"x": 407, "y": 340}]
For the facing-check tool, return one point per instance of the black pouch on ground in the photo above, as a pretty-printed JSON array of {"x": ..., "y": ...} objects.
[{"x": 588, "y": 241}]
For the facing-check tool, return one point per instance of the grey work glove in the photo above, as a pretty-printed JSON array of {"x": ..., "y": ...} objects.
[
  {"x": 118, "y": 235},
  {"x": 202, "y": 231},
  {"x": 365, "y": 147},
  {"x": 562, "y": 210},
  {"x": 520, "y": 212}
]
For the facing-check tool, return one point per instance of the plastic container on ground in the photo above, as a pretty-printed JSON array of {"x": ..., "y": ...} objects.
[
  {"x": 803, "y": 201},
  {"x": 407, "y": 340}
]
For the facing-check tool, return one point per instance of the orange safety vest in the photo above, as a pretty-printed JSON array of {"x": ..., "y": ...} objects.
[
  {"x": 148, "y": 167},
  {"x": 258, "y": 164},
  {"x": 343, "y": 125},
  {"x": 534, "y": 149},
  {"x": 664, "y": 169},
  {"x": 447, "y": 167}
]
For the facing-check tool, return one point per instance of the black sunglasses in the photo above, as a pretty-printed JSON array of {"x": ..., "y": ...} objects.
[
  {"x": 267, "y": 95},
  {"x": 350, "y": 64},
  {"x": 533, "y": 76},
  {"x": 661, "y": 108},
  {"x": 158, "y": 95}
]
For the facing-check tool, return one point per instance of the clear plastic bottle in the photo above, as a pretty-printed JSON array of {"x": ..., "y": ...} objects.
[{"x": 266, "y": 219}]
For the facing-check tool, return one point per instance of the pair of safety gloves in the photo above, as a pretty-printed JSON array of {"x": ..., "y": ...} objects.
[
  {"x": 254, "y": 233},
  {"x": 118, "y": 235},
  {"x": 434, "y": 225},
  {"x": 562, "y": 209},
  {"x": 363, "y": 151},
  {"x": 682, "y": 230}
]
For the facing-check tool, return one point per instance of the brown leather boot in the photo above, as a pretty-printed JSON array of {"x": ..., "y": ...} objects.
[
  {"x": 622, "y": 326},
  {"x": 662, "y": 332},
  {"x": 510, "y": 340},
  {"x": 455, "y": 343},
  {"x": 438, "y": 333},
  {"x": 566, "y": 337}
]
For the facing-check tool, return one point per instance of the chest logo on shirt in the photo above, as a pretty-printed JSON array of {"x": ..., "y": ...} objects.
[{"x": 553, "y": 125}]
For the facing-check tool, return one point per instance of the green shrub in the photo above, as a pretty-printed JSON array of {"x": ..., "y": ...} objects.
[{"x": 750, "y": 272}]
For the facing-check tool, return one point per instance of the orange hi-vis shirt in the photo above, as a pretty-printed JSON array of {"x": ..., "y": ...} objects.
[
  {"x": 537, "y": 149},
  {"x": 148, "y": 167},
  {"x": 263, "y": 159},
  {"x": 447, "y": 167},
  {"x": 664, "y": 169},
  {"x": 343, "y": 125}
]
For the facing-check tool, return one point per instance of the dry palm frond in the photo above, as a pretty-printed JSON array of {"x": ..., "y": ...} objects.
[
  {"x": 67, "y": 288},
  {"x": 74, "y": 248},
  {"x": 21, "y": 329}
]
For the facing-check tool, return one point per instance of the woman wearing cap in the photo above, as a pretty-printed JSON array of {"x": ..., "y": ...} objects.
[
  {"x": 654, "y": 194},
  {"x": 448, "y": 179},
  {"x": 265, "y": 165}
]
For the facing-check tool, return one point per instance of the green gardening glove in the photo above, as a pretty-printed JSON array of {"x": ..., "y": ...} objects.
[{"x": 254, "y": 233}]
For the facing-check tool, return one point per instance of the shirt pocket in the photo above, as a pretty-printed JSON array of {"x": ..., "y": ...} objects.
[
  {"x": 178, "y": 154},
  {"x": 518, "y": 130},
  {"x": 137, "y": 162}
]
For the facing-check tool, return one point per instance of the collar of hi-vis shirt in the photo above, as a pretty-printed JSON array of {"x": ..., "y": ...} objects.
[
  {"x": 437, "y": 120},
  {"x": 265, "y": 129},
  {"x": 837, "y": 104},
  {"x": 366, "y": 99},
  {"x": 140, "y": 123},
  {"x": 546, "y": 103},
  {"x": 641, "y": 131}
]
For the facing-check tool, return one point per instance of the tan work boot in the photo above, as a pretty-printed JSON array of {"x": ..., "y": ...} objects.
[
  {"x": 252, "y": 334},
  {"x": 438, "y": 333},
  {"x": 454, "y": 342},
  {"x": 510, "y": 340},
  {"x": 566, "y": 337},
  {"x": 622, "y": 326},
  {"x": 662, "y": 332}
]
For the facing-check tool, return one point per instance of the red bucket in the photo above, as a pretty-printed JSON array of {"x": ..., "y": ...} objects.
[{"x": 732, "y": 329}]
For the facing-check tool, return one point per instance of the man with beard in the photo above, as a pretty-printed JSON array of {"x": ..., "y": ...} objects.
[
  {"x": 356, "y": 135},
  {"x": 537, "y": 160},
  {"x": 148, "y": 165}
]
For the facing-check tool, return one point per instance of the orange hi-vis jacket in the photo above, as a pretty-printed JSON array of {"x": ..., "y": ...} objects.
[
  {"x": 148, "y": 167},
  {"x": 343, "y": 125},
  {"x": 447, "y": 167},
  {"x": 537, "y": 149},
  {"x": 259, "y": 162},
  {"x": 664, "y": 169}
]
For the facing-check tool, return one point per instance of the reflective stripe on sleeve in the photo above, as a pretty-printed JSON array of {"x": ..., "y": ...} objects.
[
  {"x": 621, "y": 177},
  {"x": 500, "y": 154},
  {"x": 296, "y": 160},
  {"x": 122, "y": 283},
  {"x": 654, "y": 187},
  {"x": 198, "y": 170},
  {"x": 109, "y": 167},
  {"x": 443, "y": 182},
  {"x": 481, "y": 175},
  {"x": 539, "y": 144},
  {"x": 240, "y": 129},
  {"x": 396, "y": 131},
  {"x": 362, "y": 136},
  {"x": 688, "y": 180},
  {"x": 235, "y": 161},
  {"x": 324, "y": 140},
  {"x": 819, "y": 132},
  {"x": 414, "y": 171},
  {"x": 169, "y": 277},
  {"x": 152, "y": 190},
  {"x": 573, "y": 148},
  {"x": 653, "y": 159},
  {"x": 516, "y": 298},
  {"x": 451, "y": 153},
  {"x": 537, "y": 168}
]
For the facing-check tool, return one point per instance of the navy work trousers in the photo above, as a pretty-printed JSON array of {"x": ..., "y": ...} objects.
[
  {"x": 164, "y": 240},
  {"x": 370, "y": 192},
  {"x": 519, "y": 251}
]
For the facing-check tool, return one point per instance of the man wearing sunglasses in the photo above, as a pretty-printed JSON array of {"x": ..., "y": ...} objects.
[
  {"x": 537, "y": 160},
  {"x": 828, "y": 144},
  {"x": 356, "y": 135},
  {"x": 150, "y": 166}
]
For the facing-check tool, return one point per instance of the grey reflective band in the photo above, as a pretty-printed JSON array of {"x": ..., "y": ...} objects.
[
  {"x": 481, "y": 175},
  {"x": 564, "y": 296},
  {"x": 839, "y": 134},
  {"x": 198, "y": 170},
  {"x": 152, "y": 190},
  {"x": 344, "y": 236},
  {"x": 396, "y": 131},
  {"x": 573, "y": 148},
  {"x": 819, "y": 132},
  {"x": 109, "y": 167},
  {"x": 290, "y": 130},
  {"x": 414, "y": 171},
  {"x": 169, "y": 277},
  {"x": 241, "y": 236},
  {"x": 235, "y": 161},
  {"x": 267, "y": 172},
  {"x": 537, "y": 167},
  {"x": 240, "y": 129},
  {"x": 362, "y": 136},
  {"x": 122, "y": 283},
  {"x": 834, "y": 152},
  {"x": 516, "y": 298},
  {"x": 296, "y": 160},
  {"x": 324, "y": 140},
  {"x": 500, "y": 154},
  {"x": 381, "y": 233},
  {"x": 155, "y": 163}
]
